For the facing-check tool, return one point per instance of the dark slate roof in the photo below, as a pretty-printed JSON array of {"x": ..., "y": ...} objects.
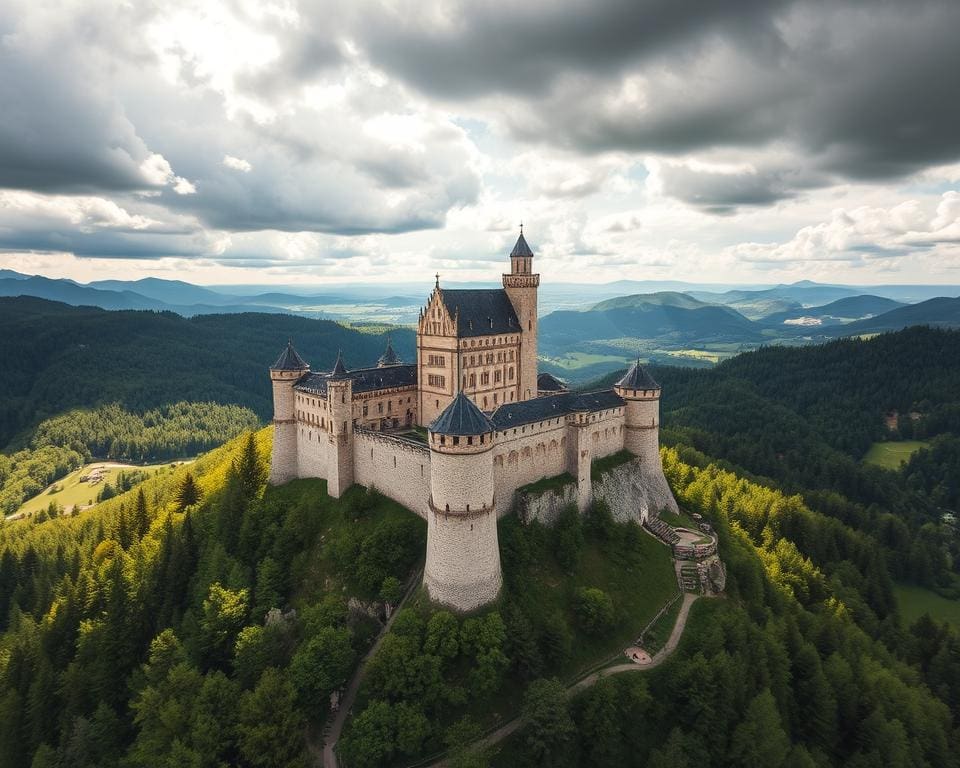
[
  {"x": 549, "y": 383},
  {"x": 552, "y": 406},
  {"x": 638, "y": 378},
  {"x": 364, "y": 379},
  {"x": 482, "y": 311},
  {"x": 521, "y": 248},
  {"x": 461, "y": 417},
  {"x": 389, "y": 357},
  {"x": 339, "y": 369},
  {"x": 289, "y": 360}
]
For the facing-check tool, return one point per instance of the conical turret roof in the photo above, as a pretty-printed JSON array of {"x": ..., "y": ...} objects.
[
  {"x": 389, "y": 357},
  {"x": 638, "y": 378},
  {"x": 462, "y": 417},
  {"x": 339, "y": 369},
  {"x": 289, "y": 360},
  {"x": 521, "y": 248}
]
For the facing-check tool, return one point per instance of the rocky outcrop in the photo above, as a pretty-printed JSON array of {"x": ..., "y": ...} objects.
[
  {"x": 635, "y": 491},
  {"x": 545, "y": 506}
]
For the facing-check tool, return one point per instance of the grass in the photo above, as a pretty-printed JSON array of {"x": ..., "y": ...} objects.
[
  {"x": 574, "y": 360},
  {"x": 315, "y": 571},
  {"x": 69, "y": 491},
  {"x": 681, "y": 520},
  {"x": 635, "y": 571},
  {"x": 915, "y": 601},
  {"x": 602, "y": 466},
  {"x": 555, "y": 483},
  {"x": 656, "y": 637},
  {"x": 890, "y": 455}
]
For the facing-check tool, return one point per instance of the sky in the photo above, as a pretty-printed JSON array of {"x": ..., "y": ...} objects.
[{"x": 318, "y": 142}]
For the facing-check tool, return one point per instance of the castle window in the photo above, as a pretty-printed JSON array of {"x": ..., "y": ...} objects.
[
  {"x": 473, "y": 379},
  {"x": 484, "y": 401},
  {"x": 510, "y": 370},
  {"x": 438, "y": 403},
  {"x": 497, "y": 376},
  {"x": 470, "y": 440},
  {"x": 494, "y": 398},
  {"x": 379, "y": 407},
  {"x": 389, "y": 406},
  {"x": 456, "y": 440},
  {"x": 366, "y": 408},
  {"x": 435, "y": 380},
  {"x": 484, "y": 378}
]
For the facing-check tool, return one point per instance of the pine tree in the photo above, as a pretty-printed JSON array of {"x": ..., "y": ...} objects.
[
  {"x": 249, "y": 469},
  {"x": 188, "y": 493},
  {"x": 124, "y": 534},
  {"x": 141, "y": 516}
]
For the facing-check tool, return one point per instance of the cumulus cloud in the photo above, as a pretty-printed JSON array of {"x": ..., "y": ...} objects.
[
  {"x": 864, "y": 234},
  {"x": 237, "y": 163}
]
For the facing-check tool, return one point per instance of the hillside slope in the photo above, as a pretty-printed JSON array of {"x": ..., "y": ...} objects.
[{"x": 81, "y": 356}]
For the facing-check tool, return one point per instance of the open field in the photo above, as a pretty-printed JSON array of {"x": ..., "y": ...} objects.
[
  {"x": 890, "y": 455},
  {"x": 74, "y": 493},
  {"x": 916, "y": 601}
]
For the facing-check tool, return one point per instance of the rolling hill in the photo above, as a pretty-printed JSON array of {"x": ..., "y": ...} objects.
[
  {"x": 836, "y": 312},
  {"x": 941, "y": 312},
  {"x": 669, "y": 316},
  {"x": 83, "y": 356}
]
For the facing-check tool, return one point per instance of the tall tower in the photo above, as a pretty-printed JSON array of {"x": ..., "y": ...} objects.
[
  {"x": 340, "y": 436},
  {"x": 284, "y": 373},
  {"x": 521, "y": 286},
  {"x": 641, "y": 395},
  {"x": 463, "y": 554},
  {"x": 641, "y": 414}
]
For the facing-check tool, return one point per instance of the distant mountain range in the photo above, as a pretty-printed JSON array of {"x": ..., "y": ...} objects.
[{"x": 585, "y": 329}]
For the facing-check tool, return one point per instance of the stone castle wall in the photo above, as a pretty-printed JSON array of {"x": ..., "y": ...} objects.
[
  {"x": 395, "y": 467},
  {"x": 313, "y": 451},
  {"x": 531, "y": 454},
  {"x": 463, "y": 559}
]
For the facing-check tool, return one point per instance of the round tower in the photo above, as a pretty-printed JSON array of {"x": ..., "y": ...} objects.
[
  {"x": 463, "y": 554},
  {"x": 642, "y": 414},
  {"x": 340, "y": 399},
  {"x": 284, "y": 373}
]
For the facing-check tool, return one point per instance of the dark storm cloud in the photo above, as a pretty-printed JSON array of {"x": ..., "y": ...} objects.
[
  {"x": 522, "y": 48},
  {"x": 726, "y": 192},
  {"x": 60, "y": 127},
  {"x": 866, "y": 90}
]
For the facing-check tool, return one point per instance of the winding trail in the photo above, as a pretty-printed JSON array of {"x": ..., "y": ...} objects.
[
  {"x": 333, "y": 728},
  {"x": 662, "y": 655}
]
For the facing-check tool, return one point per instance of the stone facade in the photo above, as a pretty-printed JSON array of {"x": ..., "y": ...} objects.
[{"x": 476, "y": 347}]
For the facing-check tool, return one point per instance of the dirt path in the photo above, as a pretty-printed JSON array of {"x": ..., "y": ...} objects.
[
  {"x": 333, "y": 728},
  {"x": 662, "y": 655}
]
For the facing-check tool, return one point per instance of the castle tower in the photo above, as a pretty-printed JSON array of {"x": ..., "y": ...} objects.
[
  {"x": 463, "y": 554},
  {"x": 340, "y": 436},
  {"x": 642, "y": 413},
  {"x": 389, "y": 357},
  {"x": 284, "y": 373},
  {"x": 641, "y": 394},
  {"x": 521, "y": 286}
]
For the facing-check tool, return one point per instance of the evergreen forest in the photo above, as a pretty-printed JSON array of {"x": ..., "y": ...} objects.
[{"x": 202, "y": 618}]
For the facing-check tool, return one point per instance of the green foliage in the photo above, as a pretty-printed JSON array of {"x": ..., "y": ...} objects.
[
  {"x": 144, "y": 360},
  {"x": 568, "y": 538},
  {"x": 321, "y": 665},
  {"x": 594, "y": 610},
  {"x": 63, "y": 443},
  {"x": 549, "y": 725}
]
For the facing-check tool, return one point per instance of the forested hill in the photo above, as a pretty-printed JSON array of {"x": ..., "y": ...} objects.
[{"x": 63, "y": 357}]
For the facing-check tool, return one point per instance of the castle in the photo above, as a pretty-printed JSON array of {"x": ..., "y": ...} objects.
[{"x": 492, "y": 426}]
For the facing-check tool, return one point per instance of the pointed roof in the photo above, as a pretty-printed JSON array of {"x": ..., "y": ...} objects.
[
  {"x": 549, "y": 383},
  {"x": 462, "y": 417},
  {"x": 389, "y": 357},
  {"x": 521, "y": 248},
  {"x": 638, "y": 378},
  {"x": 339, "y": 369},
  {"x": 289, "y": 360}
]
